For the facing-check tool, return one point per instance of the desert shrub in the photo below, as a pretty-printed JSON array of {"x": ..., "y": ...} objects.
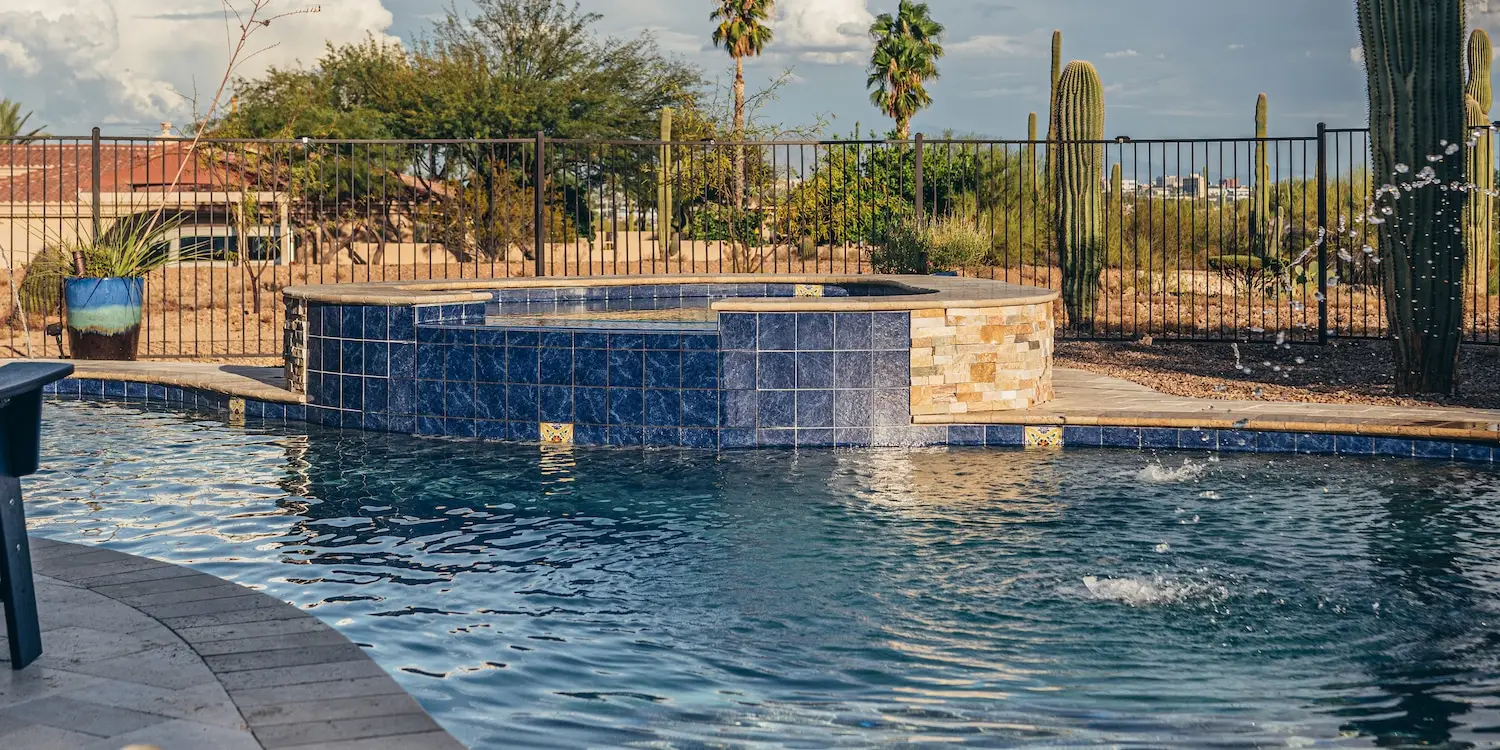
[
  {"x": 902, "y": 248},
  {"x": 957, "y": 245}
]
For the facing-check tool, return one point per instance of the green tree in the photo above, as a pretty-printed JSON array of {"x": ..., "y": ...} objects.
[
  {"x": 743, "y": 32},
  {"x": 907, "y": 48},
  {"x": 13, "y": 123}
]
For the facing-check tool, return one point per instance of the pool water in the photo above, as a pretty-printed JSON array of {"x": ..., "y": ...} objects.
[{"x": 547, "y": 597}]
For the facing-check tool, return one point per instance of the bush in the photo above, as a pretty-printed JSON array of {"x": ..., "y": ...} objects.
[
  {"x": 957, "y": 245},
  {"x": 901, "y": 249}
]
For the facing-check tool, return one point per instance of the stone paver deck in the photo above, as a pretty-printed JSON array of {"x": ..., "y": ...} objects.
[
  {"x": 137, "y": 651},
  {"x": 1082, "y": 398}
]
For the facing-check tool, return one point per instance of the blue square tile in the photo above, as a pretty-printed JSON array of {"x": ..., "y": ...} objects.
[
  {"x": 490, "y": 401},
  {"x": 1315, "y": 444},
  {"x": 1082, "y": 437},
  {"x": 737, "y": 330},
  {"x": 401, "y": 424},
  {"x": 1354, "y": 445},
  {"x": 631, "y": 341},
  {"x": 590, "y": 341},
  {"x": 892, "y": 331},
  {"x": 853, "y": 408},
  {"x": 430, "y": 426},
  {"x": 401, "y": 396},
  {"x": 492, "y": 430},
  {"x": 626, "y": 368},
  {"x": 966, "y": 435},
  {"x": 557, "y": 340},
  {"x": 591, "y": 405},
  {"x": 374, "y": 422},
  {"x": 736, "y": 439},
  {"x": 525, "y": 432},
  {"x": 296, "y": 412},
  {"x": 815, "y": 409},
  {"x": 741, "y": 409},
  {"x": 556, "y": 404},
  {"x": 430, "y": 398},
  {"x": 376, "y": 326},
  {"x": 663, "y": 369},
  {"x": 315, "y": 354},
  {"x": 1120, "y": 437},
  {"x": 460, "y": 336},
  {"x": 523, "y": 338},
  {"x": 854, "y": 437},
  {"x": 590, "y": 367},
  {"x": 1472, "y": 452},
  {"x": 776, "y": 438},
  {"x": 154, "y": 393},
  {"x": 522, "y": 403},
  {"x": 700, "y": 408},
  {"x": 333, "y": 320},
  {"x": 136, "y": 390},
  {"x": 815, "y": 438},
  {"x": 664, "y": 341},
  {"x": 738, "y": 371},
  {"x": 523, "y": 364},
  {"x": 778, "y": 332},
  {"x": 1433, "y": 449},
  {"x": 377, "y": 358},
  {"x": 541, "y": 295},
  {"x": 626, "y": 435},
  {"x": 778, "y": 409},
  {"x": 892, "y": 369},
  {"x": 1278, "y": 442},
  {"x": 352, "y": 392},
  {"x": 1159, "y": 437},
  {"x": 1201, "y": 440},
  {"x": 403, "y": 361},
  {"x": 814, "y": 331},
  {"x": 331, "y": 356},
  {"x": 700, "y": 369},
  {"x": 377, "y": 393},
  {"x": 557, "y": 366},
  {"x": 458, "y": 363},
  {"x": 814, "y": 369},
  {"x": 776, "y": 370},
  {"x": 627, "y": 406},
  {"x": 663, "y": 436},
  {"x": 1005, "y": 435},
  {"x": 490, "y": 364},
  {"x": 352, "y": 420},
  {"x": 853, "y": 331},
  {"x": 401, "y": 324},
  {"x": 458, "y": 399},
  {"x": 700, "y": 439},
  {"x": 255, "y": 409},
  {"x": 1394, "y": 447},
  {"x": 1238, "y": 441},
  {"x": 430, "y": 361},
  {"x": 352, "y": 360},
  {"x": 889, "y": 408},
  {"x": 854, "y": 369},
  {"x": 353, "y": 324},
  {"x": 700, "y": 342},
  {"x": 663, "y": 408},
  {"x": 314, "y": 320},
  {"x": 431, "y": 335},
  {"x": 590, "y": 435},
  {"x": 95, "y": 387},
  {"x": 493, "y": 338},
  {"x": 460, "y": 428}
]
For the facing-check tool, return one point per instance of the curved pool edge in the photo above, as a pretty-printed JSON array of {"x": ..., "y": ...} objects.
[
  {"x": 293, "y": 679},
  {"x": 1053, "y": 428}
]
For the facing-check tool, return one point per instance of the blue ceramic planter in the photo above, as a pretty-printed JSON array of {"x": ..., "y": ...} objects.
[{"x": 104, "y": 317}]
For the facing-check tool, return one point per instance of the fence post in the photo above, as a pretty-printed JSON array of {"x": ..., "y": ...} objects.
[
  {"x": 921, "y": 200},
  {"x": 539, "y": 204},
  {"x": 1322, "y": 233},
  {"x": 94, "y": 171}
]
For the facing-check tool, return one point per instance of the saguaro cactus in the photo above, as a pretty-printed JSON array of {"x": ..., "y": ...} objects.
[
  {"x": 1480, "y": 232},
  {"x": 665, "y": 210},
  {"x": 1051, "y": 98},
  {"x": 1031, "y": 162},
  {"x": 1414, "y": 65},
  {"x": 1261, "y": 240},
  {"x": 1077, "y": 176},
  {"x": 1116, "y": 183}
]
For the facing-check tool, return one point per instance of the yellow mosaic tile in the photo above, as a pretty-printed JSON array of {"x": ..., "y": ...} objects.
[
  {"x": 557, "y": 434},
  {"x": 1044, "y": 437},
  {"x": 809, "y": 290}
]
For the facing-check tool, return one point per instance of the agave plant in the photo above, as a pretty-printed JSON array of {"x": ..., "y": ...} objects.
[{"x": 132, "y": 248}]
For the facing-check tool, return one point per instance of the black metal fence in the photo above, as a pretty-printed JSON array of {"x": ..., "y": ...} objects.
[{"x": 1186, "y": 255}]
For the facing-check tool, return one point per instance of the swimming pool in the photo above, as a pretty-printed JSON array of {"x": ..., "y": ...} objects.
[{"x": 548, "y": 596}]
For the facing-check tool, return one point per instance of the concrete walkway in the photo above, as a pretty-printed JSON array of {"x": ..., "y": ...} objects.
[{"x": 137, "y": 651}]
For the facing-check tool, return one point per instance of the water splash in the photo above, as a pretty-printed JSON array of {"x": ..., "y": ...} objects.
[
  {"x": 1141, "y": 592},
  {"x": 1158, "y": 472}
]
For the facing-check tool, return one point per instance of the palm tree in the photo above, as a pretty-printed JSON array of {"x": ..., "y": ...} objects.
[
  {"x": 12, "y": 122},
  {"x": 907, "y": 48},
  {"x": 742, "y": 31}
]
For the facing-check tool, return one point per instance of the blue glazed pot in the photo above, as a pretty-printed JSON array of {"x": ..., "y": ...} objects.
[{"x": 104, "y": 317}]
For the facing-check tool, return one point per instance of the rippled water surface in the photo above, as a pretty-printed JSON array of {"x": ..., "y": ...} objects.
[{"x": 624, "y": 598}]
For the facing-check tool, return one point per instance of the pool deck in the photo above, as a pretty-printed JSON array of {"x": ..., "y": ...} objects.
[
  {"x": 141, "y": 652},
  {"x": 1082, "y": 399}
]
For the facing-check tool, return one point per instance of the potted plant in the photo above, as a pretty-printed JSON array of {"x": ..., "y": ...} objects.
[{"x": 103, "y": 282}]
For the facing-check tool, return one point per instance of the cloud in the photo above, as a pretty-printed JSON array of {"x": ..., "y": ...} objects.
[
  {"x": 134, "y": 63},
  {"x": 1122, "y": 53},
  {"x": 1000, "y": 45},
  {"x": 1357, "y": 55},
  {"x": 826, "y": 32},
  {"x": 1236, "y": 46}
]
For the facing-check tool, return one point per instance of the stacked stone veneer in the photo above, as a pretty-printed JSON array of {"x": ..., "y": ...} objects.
[
  {"x": 977, "y": 360},
  {"x": 294, "y": 345}
]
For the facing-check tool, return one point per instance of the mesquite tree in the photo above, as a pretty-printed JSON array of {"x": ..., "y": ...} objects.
[{"x": 1414, "y": 61}]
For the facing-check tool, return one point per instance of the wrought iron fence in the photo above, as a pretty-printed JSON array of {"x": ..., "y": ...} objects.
[{"x": 1190, "y": 251}]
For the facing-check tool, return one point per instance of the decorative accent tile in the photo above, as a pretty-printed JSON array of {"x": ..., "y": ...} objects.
[
  {"x": 1044, "y": 437},
  {"x": 808, "y": 290},
  {"x": 557, "y": 434},
  {"x": 236, "y": 408}
]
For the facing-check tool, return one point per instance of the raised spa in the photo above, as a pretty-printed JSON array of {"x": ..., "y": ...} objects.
[{"x": 703, "y": 362}]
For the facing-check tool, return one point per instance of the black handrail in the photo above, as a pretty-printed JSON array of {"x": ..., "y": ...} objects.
[{"x": 20, "y": 446}]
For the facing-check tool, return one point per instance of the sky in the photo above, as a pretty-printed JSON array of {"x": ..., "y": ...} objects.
[{"x": 1172, "y": 68}]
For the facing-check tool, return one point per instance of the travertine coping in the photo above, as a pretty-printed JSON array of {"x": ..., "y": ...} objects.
[{"x": 926, "y": 292}]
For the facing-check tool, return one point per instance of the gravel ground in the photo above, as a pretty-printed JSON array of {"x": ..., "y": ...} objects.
[{"x": 1346, "y": 372}]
